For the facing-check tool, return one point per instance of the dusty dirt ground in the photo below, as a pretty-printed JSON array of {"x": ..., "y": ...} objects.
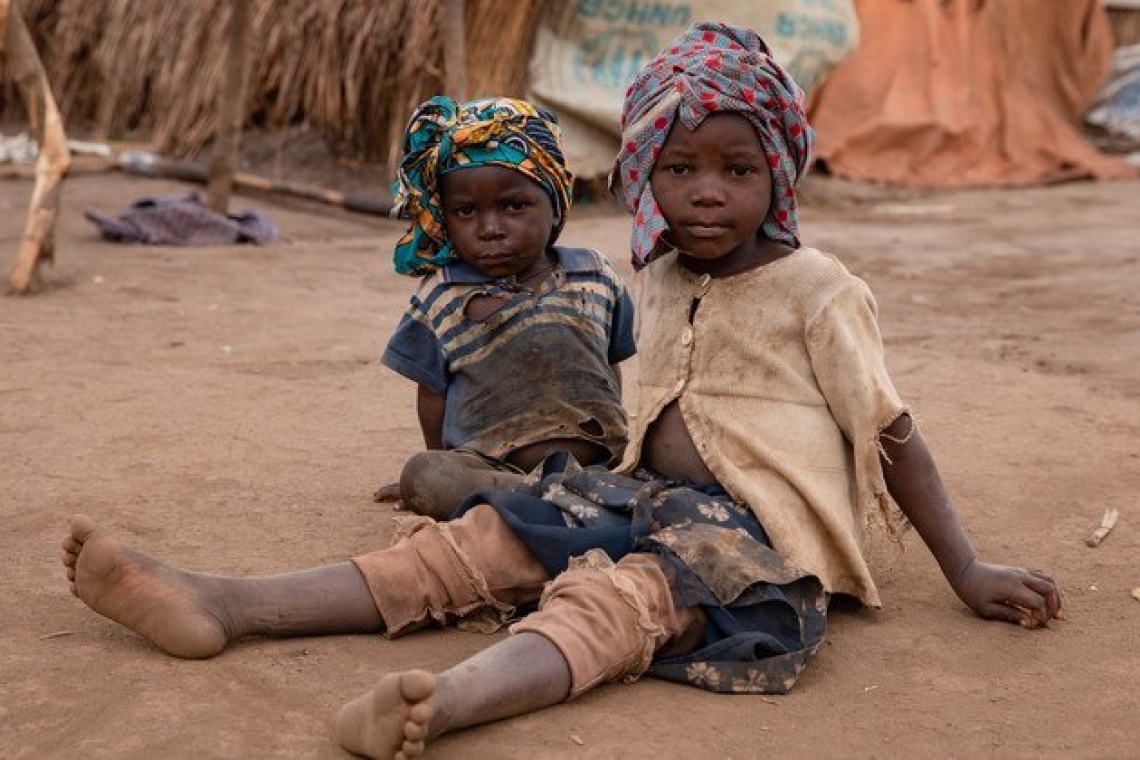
[{"x": 224, "y": 409}]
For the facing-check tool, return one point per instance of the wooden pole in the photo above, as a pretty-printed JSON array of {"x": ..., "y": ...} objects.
[
  {"x": 454, "y": 50},
  {"x": 231, "y": 105},
  {"x": 38, "y": 242}
]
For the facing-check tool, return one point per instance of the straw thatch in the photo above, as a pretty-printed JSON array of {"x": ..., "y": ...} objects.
[{"x": 350, "y": 69}]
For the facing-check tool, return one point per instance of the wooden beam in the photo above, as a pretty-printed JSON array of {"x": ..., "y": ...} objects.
[
  {"x": 38, "y": 243},
  {"x": 231, "y": 105},
  {"x": 454, "y": 50}
]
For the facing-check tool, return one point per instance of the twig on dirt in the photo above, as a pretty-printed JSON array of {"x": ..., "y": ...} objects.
[
  {"x": 56, "y": 635},
  {"x": 1107, "y": 523}
]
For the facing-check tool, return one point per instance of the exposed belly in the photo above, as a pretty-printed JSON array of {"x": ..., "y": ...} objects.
[
  {"x": 528, "y": 457},
  {"x": 669, "y": 450}
]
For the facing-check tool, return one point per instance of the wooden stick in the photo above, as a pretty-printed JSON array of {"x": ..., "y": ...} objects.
[
  {"x": 231, "y": 105},
  {"x": 1107, "y": 523},
  {"x": 454, "y": 50},
  {"x": 148, "y": 164},
  {"x": 38, "y": 242},
  {"x": 89, "y": 158}
]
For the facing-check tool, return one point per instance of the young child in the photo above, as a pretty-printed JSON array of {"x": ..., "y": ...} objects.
[
  {"x": 769, "y": 433},
  {"x": 513, "y": 342}
]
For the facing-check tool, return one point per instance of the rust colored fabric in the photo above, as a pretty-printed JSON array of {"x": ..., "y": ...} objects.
[
  {"x": 472, "y": 566},
  {"x": 608, "y": 620},
  {"x": 958, "y": 93}
]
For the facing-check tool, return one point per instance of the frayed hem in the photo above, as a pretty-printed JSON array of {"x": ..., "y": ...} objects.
[{"x": 880, "y": 433}]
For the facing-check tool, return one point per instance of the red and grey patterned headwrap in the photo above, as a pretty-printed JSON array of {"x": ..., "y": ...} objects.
[{"x": 709, "y": 69}]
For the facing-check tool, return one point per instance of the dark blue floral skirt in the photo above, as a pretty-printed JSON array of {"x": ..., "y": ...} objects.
[{"x": 766, "y": 618}]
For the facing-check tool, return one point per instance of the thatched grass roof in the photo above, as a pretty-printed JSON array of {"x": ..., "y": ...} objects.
[{"x": 350, "y": 69}]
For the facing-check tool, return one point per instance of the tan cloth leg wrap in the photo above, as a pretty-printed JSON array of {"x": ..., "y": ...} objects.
[
  {"x": 607, "y": 619},
  {"x": 451, "y": 569}
]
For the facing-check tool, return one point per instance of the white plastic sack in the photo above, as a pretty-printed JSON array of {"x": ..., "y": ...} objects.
[
  {"x": 1117, "y": 109},
  {"x": 588, "y": 51}
]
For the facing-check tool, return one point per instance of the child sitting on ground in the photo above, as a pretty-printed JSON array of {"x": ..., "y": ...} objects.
[
  {"x": 513, "y": 342},
  {"x": 769, "y": 433}
]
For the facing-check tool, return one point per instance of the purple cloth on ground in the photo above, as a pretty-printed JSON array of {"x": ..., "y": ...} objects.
[{"x": 182, "y": 220}]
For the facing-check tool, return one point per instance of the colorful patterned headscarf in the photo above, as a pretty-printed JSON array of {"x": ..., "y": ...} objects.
[
  {"x": 443, "y": 136},
  {"x": 711, "y": 68}
]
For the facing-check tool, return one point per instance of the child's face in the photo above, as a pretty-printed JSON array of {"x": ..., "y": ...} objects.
[
  {"x": 499, "y": 220},
  {"x": 714, "y": 189}
]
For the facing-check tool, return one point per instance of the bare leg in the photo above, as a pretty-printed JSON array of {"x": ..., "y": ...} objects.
[
  {"x": 196, "y": 615},
  {"x": 519, "y": 674},
  {"x": 434, "y": 483}
]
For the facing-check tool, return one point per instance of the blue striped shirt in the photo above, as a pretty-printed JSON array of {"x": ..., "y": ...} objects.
[{"x": 536, "y": 369}]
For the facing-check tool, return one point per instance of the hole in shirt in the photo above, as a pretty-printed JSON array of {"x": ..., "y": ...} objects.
[
  {"x": 592, "y": 428},
  {"x": 482, "y": 306}
]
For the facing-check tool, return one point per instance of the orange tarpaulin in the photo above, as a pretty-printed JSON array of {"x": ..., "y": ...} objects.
[{"x": 952, "y": 93}]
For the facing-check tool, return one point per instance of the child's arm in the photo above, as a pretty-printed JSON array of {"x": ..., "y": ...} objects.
[
  {"x": 1018, "y": 595},
  {"x": 430, "y": 408}
]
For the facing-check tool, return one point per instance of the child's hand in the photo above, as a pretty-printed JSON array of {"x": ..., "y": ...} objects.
[
  {"x": 1019, "y": 595},
  {"x": 388, "y": 493}
]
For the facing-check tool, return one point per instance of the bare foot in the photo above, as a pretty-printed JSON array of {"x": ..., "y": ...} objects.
[
  {"x": 388, "y": 493},
  {"x": 164, "y": 605},
  {"x": 391, "y": 721}
]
